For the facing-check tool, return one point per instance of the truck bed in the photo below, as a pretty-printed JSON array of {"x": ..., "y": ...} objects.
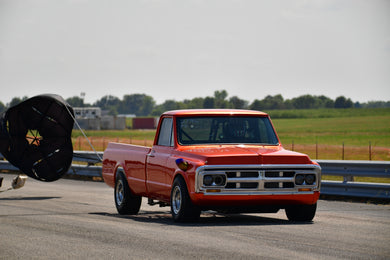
[{"x": 126, "y": 157}]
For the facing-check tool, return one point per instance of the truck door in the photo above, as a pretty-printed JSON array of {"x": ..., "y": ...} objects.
[{"x": 157, "y": 169}]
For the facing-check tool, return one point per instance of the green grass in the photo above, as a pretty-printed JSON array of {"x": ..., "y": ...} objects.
[
  {"x": 328, "y": 113},
  {"x": 355, "y": 131},
  {"x": 329, "y": 128},
  {"x": 356, "y": 179}
]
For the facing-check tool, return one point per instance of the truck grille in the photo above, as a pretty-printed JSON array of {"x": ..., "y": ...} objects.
[{"x": 262, "y": 178}]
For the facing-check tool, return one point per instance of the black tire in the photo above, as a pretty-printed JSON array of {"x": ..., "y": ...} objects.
[
  {"x": 182, "y": 209},
  {"x": 304, "y": 213},
  {"x": 125, "y": 201}
]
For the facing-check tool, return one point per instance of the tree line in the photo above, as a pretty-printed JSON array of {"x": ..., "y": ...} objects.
[{"x": 145, "y": 105}]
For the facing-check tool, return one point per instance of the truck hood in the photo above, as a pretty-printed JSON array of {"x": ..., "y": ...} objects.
[{"x": 246, "y": 154}]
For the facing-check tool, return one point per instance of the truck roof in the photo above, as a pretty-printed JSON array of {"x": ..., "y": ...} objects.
[{"x": 219, "y": 112}]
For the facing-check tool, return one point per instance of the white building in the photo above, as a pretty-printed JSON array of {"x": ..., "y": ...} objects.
[
  {"x": 87, "y": 112},
  {"x": 90, "y": 118}
]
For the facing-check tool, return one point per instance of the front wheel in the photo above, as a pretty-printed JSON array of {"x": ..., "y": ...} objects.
[
  {"x": 303, "y": 213},
  {"x": 125, "y": 201},
  {"x": 182, "y": 209}
]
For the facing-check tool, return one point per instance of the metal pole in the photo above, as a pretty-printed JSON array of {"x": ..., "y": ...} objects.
[{"x": 369, "y": 151}]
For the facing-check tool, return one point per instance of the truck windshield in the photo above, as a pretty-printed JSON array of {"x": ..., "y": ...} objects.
[{"x": 225, "y": 130}]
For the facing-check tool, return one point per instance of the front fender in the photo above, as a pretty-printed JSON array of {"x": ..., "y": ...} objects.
[{"x": 189, "y": 178}]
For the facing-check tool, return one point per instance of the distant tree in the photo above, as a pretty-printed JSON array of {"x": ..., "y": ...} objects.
[
  {"x": 76, "y": 101},
  {"x": 220, "y": 94},
  {"x": 339, "y": 102},
  {"x": 144, "y": 105},
  {"x": 167, "y": 106},
  {"x": 16, "y": 101},
  {"x": 288, "y": 104},
  {"x": 325, "y": 102},
  {"x": 109, "y": 103},
  {"x": 147, "y": 106},
  {"x": 113, "y": 111},
  {"x": 209, "y": 102},
  {"x": 268, "y": 103},
  {"x": 274, "y": 102},
  {"x": 172, "y": 105},
  {"x": 138, "y": 104},
  {"x": 348, "y": 103},
  {"x": 2, "y": 107},
  {"x": 343, "y": 102},
  {"x": 305, "y": 101},
  {"x": 157, "y": 111},
  {"x": 376, "y": 104},
  {"x": 256, "y": 105},
  {"x": 193, "y": 103},
  {"x": 236, "y": 102},
  {"x": 220, "y": 99}
]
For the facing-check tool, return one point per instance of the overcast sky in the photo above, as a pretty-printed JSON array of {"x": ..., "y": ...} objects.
[{"x": 181, "y": 49}]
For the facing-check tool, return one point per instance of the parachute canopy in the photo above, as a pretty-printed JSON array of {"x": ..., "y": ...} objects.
[{"x": 35, "y": 136}]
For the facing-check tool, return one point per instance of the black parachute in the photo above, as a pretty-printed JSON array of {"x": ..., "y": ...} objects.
[{"x": 35, "y": 136}]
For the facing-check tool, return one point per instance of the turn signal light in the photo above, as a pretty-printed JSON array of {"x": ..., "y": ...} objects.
[
  {"x": 213, "y": 190},
  {"x": 182, "y": 164}
]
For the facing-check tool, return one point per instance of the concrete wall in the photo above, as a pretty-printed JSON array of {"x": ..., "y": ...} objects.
[
  {"x": 111, "y": 122},
  {"x": 88, "y": 123}
]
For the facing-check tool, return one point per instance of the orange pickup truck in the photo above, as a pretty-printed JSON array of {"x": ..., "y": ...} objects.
[{"x": 213, "y": 159}]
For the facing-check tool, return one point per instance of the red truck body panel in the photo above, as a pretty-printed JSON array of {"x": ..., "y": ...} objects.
[{"x": 255, "y": 174}]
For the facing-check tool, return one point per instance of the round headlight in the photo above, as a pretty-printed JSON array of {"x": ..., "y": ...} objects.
[
  {"x": 207, "y": 180},
  {"x": 218, "y": 180},
  {"x": 310, "y": 179},
  {"x": 299, "y": 179}
]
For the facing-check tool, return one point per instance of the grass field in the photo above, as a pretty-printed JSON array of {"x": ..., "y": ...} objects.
[
  {"x": 323, "y": 138},
  {"x": 319, "y": 133}
]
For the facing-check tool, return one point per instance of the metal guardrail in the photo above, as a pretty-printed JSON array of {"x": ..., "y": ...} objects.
[
  {"x": 86, "y": 156},
  {"x": 350, "y": 169},
  {"x": 89, "y": 170},
  {"x": 346, "y": 169}
]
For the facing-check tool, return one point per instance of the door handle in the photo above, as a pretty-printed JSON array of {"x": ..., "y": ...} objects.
[{"x": 151, "y": 154}]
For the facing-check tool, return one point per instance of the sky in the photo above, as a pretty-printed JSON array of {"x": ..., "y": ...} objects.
[{"x": 175, "y": 49}]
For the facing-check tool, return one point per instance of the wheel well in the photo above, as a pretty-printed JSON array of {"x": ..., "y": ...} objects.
[
  {"x": 118, "y": 171},
  {"x": 180, "y": 176}
]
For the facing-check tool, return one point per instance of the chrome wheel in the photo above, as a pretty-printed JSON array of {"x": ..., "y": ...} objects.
[
  {"x": 125, "y": 201},
  {"x": 119, "y": 192},
  {"x": 182, "y": 208},
  {"x": 176, "y": 199}
]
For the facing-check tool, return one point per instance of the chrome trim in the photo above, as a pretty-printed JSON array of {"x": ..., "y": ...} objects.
[{"x": 283, "y": 174}]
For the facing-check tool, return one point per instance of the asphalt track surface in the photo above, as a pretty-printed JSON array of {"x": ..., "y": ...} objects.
[{"x": 71, "y": 219}]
